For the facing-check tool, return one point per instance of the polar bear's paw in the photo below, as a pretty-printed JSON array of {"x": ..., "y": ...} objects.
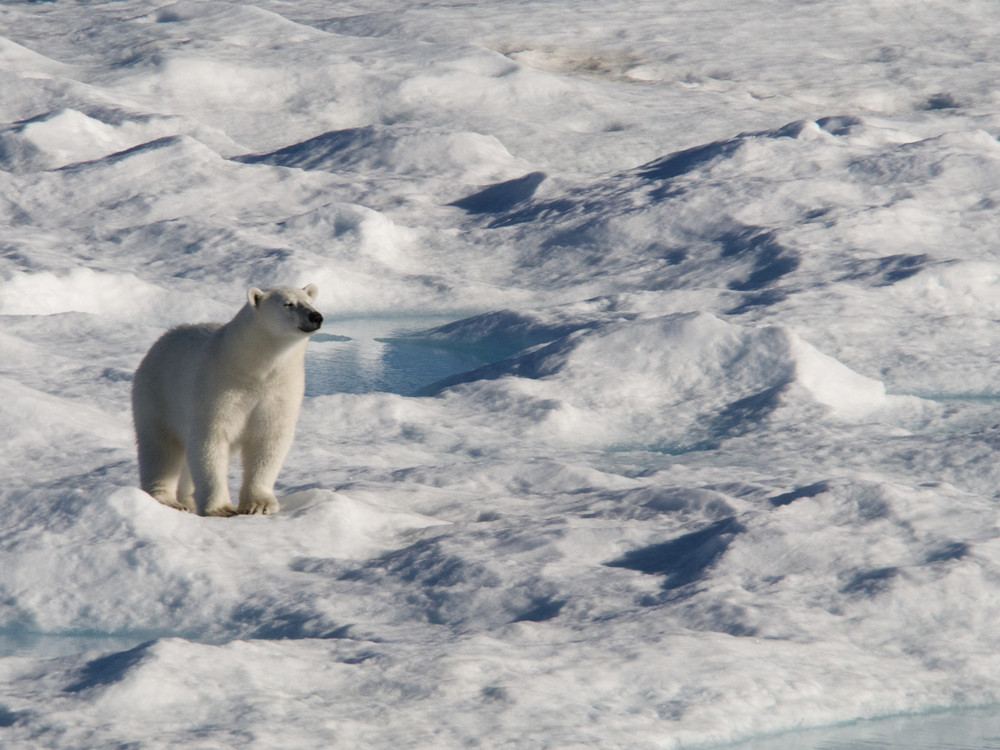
[
  {"x": 175, "y": 504},
  {"x": 261, "y": 506},
  {"x": 221, "y": 510}
]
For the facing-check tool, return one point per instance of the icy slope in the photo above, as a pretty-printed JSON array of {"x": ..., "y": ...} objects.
[{"x": 678, "y": 380}]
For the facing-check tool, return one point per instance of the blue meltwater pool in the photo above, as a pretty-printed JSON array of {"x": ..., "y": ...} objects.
[
  {"x": 361, "y": 355},
  {"x": 965, "y": 729}
]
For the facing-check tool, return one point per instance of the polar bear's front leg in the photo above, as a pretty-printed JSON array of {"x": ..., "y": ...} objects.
[
  {"x": 262, "y": 460},
  {"x": 261, "y": 465},
  {"x": 209, "y": 466}
]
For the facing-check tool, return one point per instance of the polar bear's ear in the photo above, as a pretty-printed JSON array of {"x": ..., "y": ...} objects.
[
  {"x": 312, "y": 290},
  {"x": 254, "y": 296}
]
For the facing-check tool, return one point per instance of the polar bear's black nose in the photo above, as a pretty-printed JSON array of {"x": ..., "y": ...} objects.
[{"x": 315, "y": 318}]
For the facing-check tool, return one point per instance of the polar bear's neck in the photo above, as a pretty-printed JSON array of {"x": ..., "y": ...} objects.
[{"x": 257, "y": 352}]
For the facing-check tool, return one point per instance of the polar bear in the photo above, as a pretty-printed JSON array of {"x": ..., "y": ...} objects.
[{"x": 204, "y": 390}]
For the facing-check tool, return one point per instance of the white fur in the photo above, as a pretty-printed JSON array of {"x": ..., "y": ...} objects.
[{"x": 205, "y": 391}]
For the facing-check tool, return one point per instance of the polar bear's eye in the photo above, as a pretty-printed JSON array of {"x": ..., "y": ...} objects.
[{"x": 289, "y": 304}]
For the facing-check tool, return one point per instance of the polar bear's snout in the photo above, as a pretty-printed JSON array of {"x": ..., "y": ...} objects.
[{"x": 312, "y": 322}]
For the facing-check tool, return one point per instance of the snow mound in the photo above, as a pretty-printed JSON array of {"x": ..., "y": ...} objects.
[
  {"x": 28, "y": 63},
  {"x": 405, "y": 151},
  {"x": 351, "y": 230},
  {"x": 166, "y": 677},
  {"x": 32, "y": 422},
  {"x": 969, "y": 287},
  {"x": 67, "y": 136},
  {"x": 683, "y": 379},
  {"x": 80, "y": 290},
  {"x": 844, "y": 392},
  {"x": 180, "y": 574},
  {"x": 161, "y": 180}
]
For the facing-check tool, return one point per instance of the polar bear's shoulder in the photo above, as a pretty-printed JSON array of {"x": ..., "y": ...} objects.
[
  {"x": 183, "y": 339},
  {"x": 191, "y": 332}
]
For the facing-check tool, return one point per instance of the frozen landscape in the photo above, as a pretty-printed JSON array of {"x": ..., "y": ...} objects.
[{"x": 657, "y": 402}]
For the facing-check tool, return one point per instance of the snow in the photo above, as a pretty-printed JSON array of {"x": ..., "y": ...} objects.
[{"x": 655, "y": 403}]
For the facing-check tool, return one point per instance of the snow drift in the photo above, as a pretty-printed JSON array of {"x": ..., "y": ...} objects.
[{"x": 679, "y": 381}]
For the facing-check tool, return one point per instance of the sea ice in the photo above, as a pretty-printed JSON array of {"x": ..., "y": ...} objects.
[{"x": 706, "y": 445}]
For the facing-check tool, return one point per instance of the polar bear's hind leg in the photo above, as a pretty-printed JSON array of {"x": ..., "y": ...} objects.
[{"x": 161, "y": 464}]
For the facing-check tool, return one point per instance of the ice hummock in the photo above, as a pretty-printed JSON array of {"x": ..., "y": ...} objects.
[{"x": 685, "y": 379}]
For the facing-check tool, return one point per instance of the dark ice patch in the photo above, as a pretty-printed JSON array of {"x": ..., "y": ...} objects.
[
  {"x": 898, "y": 267},
  {"x": 770, "y": 259},
  {"x": 838, "y": 125},
  {"x": 550, "y": 211},
  {"x": 675, "y": 257},
  {"x": 495, "y": 694},
  {"x": 9, "y": 717},
  {"x": 426, "y": 564},
  {"x": 672, "y": 256},
  {"x": 941, "y": 100},
  {"x": 870, "y": 583},
  {"x": 810, "y": 490},
  {"x": 323, "y": 152},
  {"x": 949, "y": 551},
  {"x": 685, "y": 559},
  {"x": 443, "y": 588},
  {"x": 107, "y": 670},
  {"x": 502, "y": 196},
  {"x": 276, "y": 622},
  {"x": 742, "y": 415},
  {"x": 541, "y": 609},
  {"x": 681, "y": 162},
  {"x": 764, "y": 298},
  {"x": 721, "y": 617},
  {"x": 887, "y": 270}
]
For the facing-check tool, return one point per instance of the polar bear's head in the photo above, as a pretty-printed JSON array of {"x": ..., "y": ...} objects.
[{"x": 285, "y": 310}]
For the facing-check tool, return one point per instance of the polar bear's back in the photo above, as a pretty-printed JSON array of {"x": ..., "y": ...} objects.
[{"x": 164, "y": 382}]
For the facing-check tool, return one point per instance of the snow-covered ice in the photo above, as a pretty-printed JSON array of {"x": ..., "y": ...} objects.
[{"x": 657, "y": 403}]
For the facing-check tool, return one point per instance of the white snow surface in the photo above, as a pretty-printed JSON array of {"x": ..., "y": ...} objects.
[{"x": 728, "y": 465}]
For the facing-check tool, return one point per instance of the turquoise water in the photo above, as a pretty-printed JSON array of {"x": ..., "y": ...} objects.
[
  {"x": 367, "y": 354},
  {"x": 969, "y": 729},
  {"x": 970, "y": 397}
]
